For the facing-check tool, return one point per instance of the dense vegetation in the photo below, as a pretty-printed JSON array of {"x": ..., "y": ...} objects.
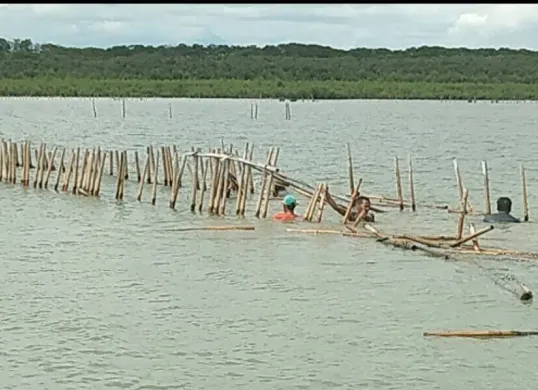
[{"x": 291, "y": 70}]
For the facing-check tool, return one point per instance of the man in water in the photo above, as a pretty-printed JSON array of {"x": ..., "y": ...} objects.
[
  {"x": 288, "y": 214},
  {"x": 504, "y": 206},
  {"x": 363, "y": 208}
]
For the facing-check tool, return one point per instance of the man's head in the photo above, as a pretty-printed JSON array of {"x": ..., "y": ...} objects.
[
  {"x": 363, "y": 203},
  {"x": 289, "y": 202},
  {"x": 504, "y": 205}
]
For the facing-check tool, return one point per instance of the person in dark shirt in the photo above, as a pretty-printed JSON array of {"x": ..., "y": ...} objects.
[{"x": 504, "y": 206}]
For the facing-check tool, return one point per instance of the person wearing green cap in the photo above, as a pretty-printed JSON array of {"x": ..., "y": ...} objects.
[{"x": 288, "y": 214}]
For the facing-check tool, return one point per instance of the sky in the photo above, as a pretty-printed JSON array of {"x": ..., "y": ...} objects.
[{"x": 345, "y": 26}]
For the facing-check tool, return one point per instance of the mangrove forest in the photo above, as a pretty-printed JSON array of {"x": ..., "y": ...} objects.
[{"x": 294, "y": 71}]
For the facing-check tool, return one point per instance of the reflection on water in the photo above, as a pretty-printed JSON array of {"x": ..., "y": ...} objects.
[{"x": 97, "y": 294}]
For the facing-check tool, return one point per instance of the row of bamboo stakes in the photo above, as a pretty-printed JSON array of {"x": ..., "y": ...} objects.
[
  {"x": 213, "y": 175},
  {"x": 203, "y": 167},
  {"x": 123, "y": 109}
]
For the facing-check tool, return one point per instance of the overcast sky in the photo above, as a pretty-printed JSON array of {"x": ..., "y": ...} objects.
[{"x": 341, "y": 25}]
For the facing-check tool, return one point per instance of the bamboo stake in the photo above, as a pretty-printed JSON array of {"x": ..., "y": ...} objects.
[
  {"x": 350, "y": 170},
  {"x": 223, "y": 187},
  {"x": 80, "y": 184},
  {"x": 67, "y": 177},
  {"x": 166, "y": 174},
  {"x": 322, "y": 202},
  {"x": 137, "y": 166},
  {"x": 463, "y": 212},
  {"x": 472, "y": 230},
  {"x": 75, "y": 179},
  {"x": 214, "y": 185},
  {"x": 125, "y": 169},
  {"x": 398, "y": 183},
  {"x": 14, "y": 162},
  {"x": 100, "y": 177},
  {"x": 111, "y": 163},
  {"x": 204, "y": 186},
  {"x": 269, "y": 186},
  {"x": 58, "y": 176},
  {"x": 525, "y": 200},
  {"x": 123, "y": 173},
  {"x": 142, "y": 178},
  {"x": 263, "y": 184},
  {"x": 242, "y": 185},
  {"x": 487, "y": 199},
  {"x": 95, "y": 171},
  {"x": 175, "y": 183},
  {"x": 49, "y": 169},
  {"x": 44, "y": 165},
  {"x": 2, "y": 175},
  {"x": 250, "y": 178},
  {"x": 411, "y": 184},
  {"x": 352, "y": 201},
  {"x": 119, "y": 171},
  {"x": 117, "y": 157},
  {"x": 312, "y": 204},
  {"x": 154, "y": 189},
  {"x": 249, "y": 183},
  {"x": 458, "y": 180},
  {"x": 194, "y": 183},
  {"x": 38, "y": 162}
]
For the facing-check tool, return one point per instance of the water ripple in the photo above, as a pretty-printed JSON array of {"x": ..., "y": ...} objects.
[{"x": 99, "y": 294}]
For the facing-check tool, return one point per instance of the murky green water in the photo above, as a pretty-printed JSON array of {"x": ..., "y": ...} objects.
[{"x": 99, "y": 295}]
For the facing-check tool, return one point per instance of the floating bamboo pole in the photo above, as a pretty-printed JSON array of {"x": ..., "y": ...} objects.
[
  {"x": 482, "y": 333},
  {"x": 212, "y": 228}
]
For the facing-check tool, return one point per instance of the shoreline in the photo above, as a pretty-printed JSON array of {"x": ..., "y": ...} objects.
[{"x": 265, "y": 89}]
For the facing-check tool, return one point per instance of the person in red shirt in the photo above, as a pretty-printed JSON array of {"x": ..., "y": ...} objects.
[{"x": 288, "y": 203}]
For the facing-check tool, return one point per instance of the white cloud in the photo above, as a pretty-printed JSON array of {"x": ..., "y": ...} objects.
[{"x": 338, "y": 25}]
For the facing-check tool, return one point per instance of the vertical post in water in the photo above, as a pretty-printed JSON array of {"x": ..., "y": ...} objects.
[
  {"x": 487, "y": 198},
  {"x": 94, "y": 109},
  {"x": 411, "y": 184},
  {"x": 123, "y": 108},
  {"x": 288, "y": 110},
  {"x": 398, "y": 183},
  {"x": 458, "y": 179},
  {"x": 350, "y": 170},
  {"x": 525, "y": 201}
]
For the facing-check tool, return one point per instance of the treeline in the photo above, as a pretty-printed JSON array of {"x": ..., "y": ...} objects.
[
  {"x": 290, "y": 70},
  {"x": 265, "y": 89}
]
